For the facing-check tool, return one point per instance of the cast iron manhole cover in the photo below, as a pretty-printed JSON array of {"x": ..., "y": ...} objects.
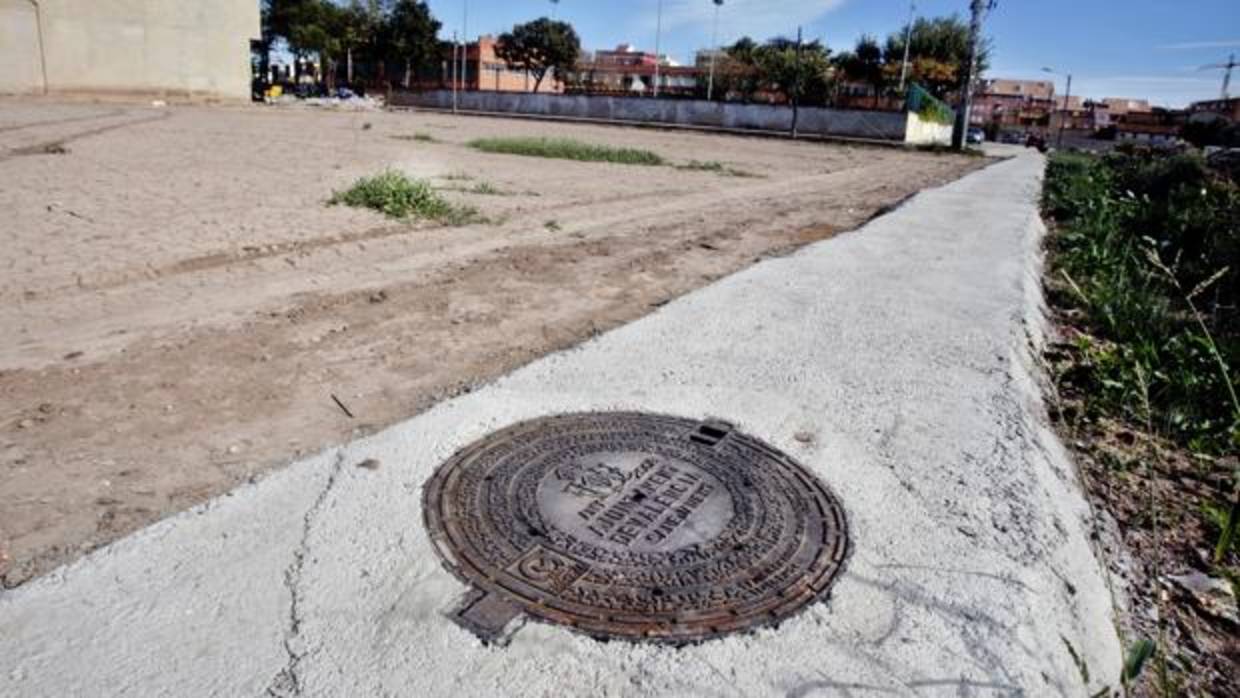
[{"x": 633, "y": 526}]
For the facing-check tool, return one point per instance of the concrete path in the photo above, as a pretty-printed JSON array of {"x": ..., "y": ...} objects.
[{"x": 903, "y": 349}]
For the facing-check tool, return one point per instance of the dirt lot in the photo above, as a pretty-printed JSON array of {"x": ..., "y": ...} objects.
[{"x": 180, "y": 307}]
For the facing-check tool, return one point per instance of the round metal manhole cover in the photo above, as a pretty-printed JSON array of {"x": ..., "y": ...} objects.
[{"x": 634, "y": 526}]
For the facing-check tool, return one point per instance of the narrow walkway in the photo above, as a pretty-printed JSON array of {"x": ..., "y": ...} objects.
[{"x": 901, "y": 349}]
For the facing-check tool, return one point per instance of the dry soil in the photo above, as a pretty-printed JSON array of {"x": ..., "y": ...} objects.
[{"x": 182, "y": 312}]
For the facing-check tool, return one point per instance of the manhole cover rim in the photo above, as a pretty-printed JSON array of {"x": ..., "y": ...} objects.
[{"x": 826, "y": 566}]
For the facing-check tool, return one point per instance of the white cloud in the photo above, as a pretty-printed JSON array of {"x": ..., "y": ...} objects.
[
  {"x": 1197, "y": 45},
  {"x": 760, "y": 19}
]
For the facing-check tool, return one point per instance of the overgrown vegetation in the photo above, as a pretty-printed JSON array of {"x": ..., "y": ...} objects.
[
  {"x": 1143, "y": 274},
  {"x": 1144, "y": 240},
  {"x": 396, "y": 195},
  {"x": 566, "y": 149}
]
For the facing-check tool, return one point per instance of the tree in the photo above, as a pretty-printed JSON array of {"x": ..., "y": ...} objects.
[
  {"x": 411, "y": 36},
  {"x": 781, "y": 71},
  {"x": 749, "y": 68},
  {"x": 865, "y": 64},
  {"x": 738, "y": 71},
  {"x": 318, "y": 27},
  {"x": 359, "y": 26},
  {"x": 938, "y": 53},
  {"x": 540, "y": 46}
]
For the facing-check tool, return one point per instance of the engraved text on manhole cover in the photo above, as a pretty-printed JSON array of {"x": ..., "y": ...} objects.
[{"x": 635, "y": 526}]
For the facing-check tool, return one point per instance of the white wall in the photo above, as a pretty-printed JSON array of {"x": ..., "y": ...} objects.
[
  {"x": 922, "y": 132},
  {"x": 20, "y": 69},
  {"x": 763, "y": 117},
  {"x": 168, "y": 47}
]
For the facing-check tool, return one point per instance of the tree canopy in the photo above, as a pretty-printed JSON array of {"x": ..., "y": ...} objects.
[
  {"x": 748, "y": 69},
  {"x": 938, "y": 53},
  {"x": 374, "y": 30},
  {"x": 411, "y": 35},
  {"x": 865, "y": 64},
  {"x": 540, "y": 46}
]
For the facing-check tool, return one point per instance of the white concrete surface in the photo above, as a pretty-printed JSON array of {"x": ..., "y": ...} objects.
[{"x": 903, "y": 348}]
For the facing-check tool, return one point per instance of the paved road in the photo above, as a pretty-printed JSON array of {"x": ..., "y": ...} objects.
[{"x": 903, "y": 350}]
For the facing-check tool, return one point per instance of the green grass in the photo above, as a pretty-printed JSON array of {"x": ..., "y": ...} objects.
[
  {"x": 481, "y": 188},
  {"x": 566, "y": 149},
  {"x": 716, "y": 167},
  {"x": 420, "y": 137},
  {"x": 487, "y": 189},
  {"x": 396, "y": 195}
]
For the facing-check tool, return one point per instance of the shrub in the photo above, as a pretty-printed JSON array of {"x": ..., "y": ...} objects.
[{"x": 396, "y": 195}]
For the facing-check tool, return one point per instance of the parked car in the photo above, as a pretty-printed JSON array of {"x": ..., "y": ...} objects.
[{"x": 976, "y": 136}]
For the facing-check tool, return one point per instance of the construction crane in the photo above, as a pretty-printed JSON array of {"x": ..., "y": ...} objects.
[{"x": 1228, "y": 66}]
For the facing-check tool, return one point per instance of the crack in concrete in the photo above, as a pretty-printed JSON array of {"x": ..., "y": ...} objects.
[{"x": 287, "y": 682}]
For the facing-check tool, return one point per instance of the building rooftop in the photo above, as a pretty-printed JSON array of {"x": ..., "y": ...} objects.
[
  {"x": 1123, "y": 105},
  {"x": 1031, "y": 89}
]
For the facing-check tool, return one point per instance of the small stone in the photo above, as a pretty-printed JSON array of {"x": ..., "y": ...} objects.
[
  {"x": 234, "y": 449},
  {"x": 804, "y": 437},
  {"x": 25, "y": 424},
  {"x": 369, "y": 464}
]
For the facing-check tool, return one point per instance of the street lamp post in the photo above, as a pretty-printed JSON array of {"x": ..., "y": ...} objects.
[
  {"x": 908, "y": 41},
  {"x": 658, "y": 36},
  {"x": 1067, "y": 106},
  {"x": 714, "y": 52}
]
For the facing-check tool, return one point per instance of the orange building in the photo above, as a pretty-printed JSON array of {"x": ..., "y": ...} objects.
[{"x": 485, "y": 71}]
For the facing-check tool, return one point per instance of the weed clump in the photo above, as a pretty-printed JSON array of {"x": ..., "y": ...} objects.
[{"x": 396, "y": 195}]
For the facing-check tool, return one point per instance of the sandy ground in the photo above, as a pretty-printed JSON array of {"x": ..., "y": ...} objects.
[{"x": 180, "y": 307}]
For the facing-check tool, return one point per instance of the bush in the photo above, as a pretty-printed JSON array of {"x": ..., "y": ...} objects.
[{"x": 396, "y": 195}]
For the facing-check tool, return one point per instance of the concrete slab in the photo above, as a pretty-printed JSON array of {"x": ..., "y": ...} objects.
[{"x": 903, "y": 348}]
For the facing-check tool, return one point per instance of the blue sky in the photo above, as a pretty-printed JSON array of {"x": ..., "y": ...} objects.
[{"x": 1136, "y": 48}]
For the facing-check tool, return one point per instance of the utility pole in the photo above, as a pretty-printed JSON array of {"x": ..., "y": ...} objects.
[
  {"x": 464, "y": 43},
  {"x": 796, "y": 87},
  {"x": 1067, "y": 106},
  {"x": 555, "y": 9},
  {"x": 714, "y": 52},
  {"x": 658, "y": 36},
  {"x": 455, "y": 46},
  {"x": 978, "y": 9},
  {"x": 908, "y": 42}
]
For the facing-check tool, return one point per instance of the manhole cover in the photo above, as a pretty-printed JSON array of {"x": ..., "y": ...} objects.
[{"x": 633, "y": 526}]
